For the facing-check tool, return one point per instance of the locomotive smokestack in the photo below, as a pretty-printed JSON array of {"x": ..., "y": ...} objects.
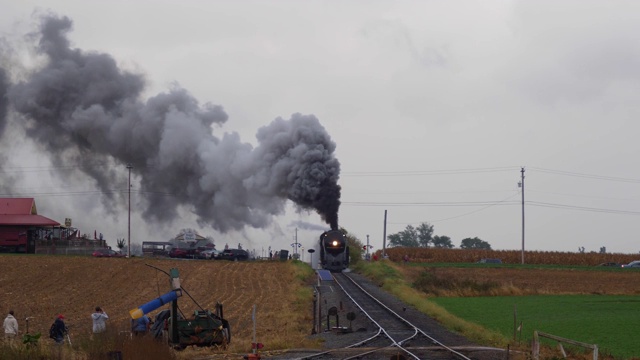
[{"x": 84, "y": 110}]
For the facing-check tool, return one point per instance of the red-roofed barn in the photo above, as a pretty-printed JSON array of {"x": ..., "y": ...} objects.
[{"x": 19, "y": 222}]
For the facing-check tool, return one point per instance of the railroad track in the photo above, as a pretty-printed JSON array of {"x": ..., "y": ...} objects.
[{"x": 394, "y": 336}]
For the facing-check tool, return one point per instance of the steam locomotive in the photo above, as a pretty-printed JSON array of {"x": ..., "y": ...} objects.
[{"x": 334, "y": 251}]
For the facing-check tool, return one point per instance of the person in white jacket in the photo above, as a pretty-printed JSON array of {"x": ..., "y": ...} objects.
[
  {"x": 10, "y": 327},
  {"x": 99, "y": 320}
]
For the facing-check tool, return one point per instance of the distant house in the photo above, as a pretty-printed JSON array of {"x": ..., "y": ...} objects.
[
  {"x": 189, "y": 237},
  {"x": 21, "y": 226},
  {"x": 192, "y": 240}
]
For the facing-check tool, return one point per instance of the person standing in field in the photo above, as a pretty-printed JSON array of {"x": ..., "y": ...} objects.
[
  {"x": 141, "y": 325},
  {"x": 58, "y": 330},
  {"x": 99, "y": 320},
  {"x": 10, "y": 327}
]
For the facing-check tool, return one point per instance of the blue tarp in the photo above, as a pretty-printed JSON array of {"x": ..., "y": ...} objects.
[{"x": 325, "y": 275}]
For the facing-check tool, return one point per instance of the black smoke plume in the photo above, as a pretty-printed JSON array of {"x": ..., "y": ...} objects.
[
  {"x": 4, "y": 102},
  {"x": 82, "y": 109}
]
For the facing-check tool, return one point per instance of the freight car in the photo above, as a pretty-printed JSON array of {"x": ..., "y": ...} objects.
[{"x": 334, "y": 251}]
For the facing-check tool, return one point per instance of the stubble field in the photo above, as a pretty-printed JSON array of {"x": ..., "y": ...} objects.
[
  {"x": 40, "y": 287},
  {"x": 529, "y": 281}
]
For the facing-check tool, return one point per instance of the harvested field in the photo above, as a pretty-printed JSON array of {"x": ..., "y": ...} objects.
[
  {"x": 510, "y": 281},
  {"x": 443, "y": 255},
  {"x": 44, "y": 286}
]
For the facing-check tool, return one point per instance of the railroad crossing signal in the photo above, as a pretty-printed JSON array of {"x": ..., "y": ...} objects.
[
  {"x": 367, "y": 246},
  {"x": 294, "y": 245}
]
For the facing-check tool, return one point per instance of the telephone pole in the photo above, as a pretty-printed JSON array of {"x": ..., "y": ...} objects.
[
  {"x": 384, "y": 236},
  {"x": 295, "y": 248},
  {"x": 367, "y": 256},
  {"x": 522, "y": 189},
  {"x": 129, "y": 166}
]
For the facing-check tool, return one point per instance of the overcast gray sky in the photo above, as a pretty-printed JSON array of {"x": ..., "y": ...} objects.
[{"x": 434, "y": 106}]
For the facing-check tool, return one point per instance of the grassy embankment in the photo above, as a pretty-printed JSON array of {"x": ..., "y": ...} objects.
[{"x": 606, "y": 320}]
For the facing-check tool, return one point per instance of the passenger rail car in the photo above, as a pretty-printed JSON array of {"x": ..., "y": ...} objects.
[{"x": 334, "y": 251}]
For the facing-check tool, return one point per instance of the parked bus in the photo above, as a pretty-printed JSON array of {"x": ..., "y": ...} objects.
[{"x": 155, "y": 248}]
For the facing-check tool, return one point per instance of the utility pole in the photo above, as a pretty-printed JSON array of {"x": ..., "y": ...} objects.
[
  {"x": 129, "y": 166},
  {"x": 295, "y": 248},
  {"x": 521, "y": 184},
  {"x": 367, "y": 257},
  {"x": 384, "y": 236}
]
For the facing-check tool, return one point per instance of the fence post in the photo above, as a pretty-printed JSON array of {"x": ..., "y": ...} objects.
[
  {"x": 535, "y": 347},
  {"x": 536, "y": 344}
]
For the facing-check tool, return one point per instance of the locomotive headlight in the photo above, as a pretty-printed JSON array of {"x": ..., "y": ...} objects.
[{"x": 334, "y": 243}]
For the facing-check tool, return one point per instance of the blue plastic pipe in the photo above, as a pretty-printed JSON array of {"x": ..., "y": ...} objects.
[{"x": 155, "y": 303}]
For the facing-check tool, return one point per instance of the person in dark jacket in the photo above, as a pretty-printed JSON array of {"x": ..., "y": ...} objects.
[
  {"x": 59, "y": 330},
  {"x": 140, "y": 326}
]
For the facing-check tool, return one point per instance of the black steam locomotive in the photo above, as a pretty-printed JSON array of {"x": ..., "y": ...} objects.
[{"x": 334, "y": 251}]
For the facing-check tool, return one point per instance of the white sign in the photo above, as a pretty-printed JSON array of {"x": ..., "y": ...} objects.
[{"x": 189, "y": 236}]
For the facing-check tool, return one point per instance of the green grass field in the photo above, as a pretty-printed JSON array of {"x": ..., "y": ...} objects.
[{"x": 611, "y": 322}]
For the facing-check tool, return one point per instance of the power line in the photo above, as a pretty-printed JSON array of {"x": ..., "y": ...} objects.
[
  {"x": 429, "y": 172},
  {"x": 478, "y": 210},
  {"x": 435, "y": 204},
  {"x": 582, "y": 195},
  {"x": 23, "y": 169},
  {"x": 582, "y": 208},
  {"x": 465, "y": 214},
  {"x": 84, "y": 193},
  {"x": 487, "y": 204},
  {"x": 27, "y": 169},
  {"x": 425, "y": 192},
  {"x": 586, "y": 176},
  {"x": 67, "y": 193}
]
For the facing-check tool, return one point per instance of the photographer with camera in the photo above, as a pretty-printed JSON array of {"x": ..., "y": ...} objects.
[{"x": 99, "y": 320}]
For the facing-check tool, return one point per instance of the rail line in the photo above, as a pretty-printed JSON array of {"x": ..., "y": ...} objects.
[{"x": 394, "y": 333}]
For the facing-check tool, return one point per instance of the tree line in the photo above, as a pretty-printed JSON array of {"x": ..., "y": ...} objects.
[{"x": 422, "y": 236}]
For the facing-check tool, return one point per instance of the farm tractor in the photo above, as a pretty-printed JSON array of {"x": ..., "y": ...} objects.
[{"x": 204, "y": 328}]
